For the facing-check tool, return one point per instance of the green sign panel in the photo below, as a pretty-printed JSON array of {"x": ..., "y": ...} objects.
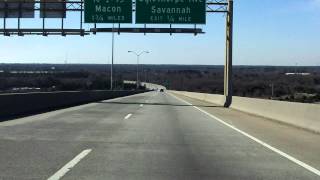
[
  {"x": 108, "y": 11},
  {"x": 171, "y": 11}
]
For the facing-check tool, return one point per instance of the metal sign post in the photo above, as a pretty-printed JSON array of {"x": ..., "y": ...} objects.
[
  {"x": 111, "y": 11},
  {"x": 229, "y": 53},
  {"x": 112, "y": 59}
]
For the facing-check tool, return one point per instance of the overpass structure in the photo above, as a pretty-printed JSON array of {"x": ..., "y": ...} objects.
[{"x": 156, "y": 135}]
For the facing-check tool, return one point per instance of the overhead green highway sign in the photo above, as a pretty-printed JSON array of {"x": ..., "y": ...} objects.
[
  {"x": 108, "y": 11},
  {"x": 171, "y": 11}
]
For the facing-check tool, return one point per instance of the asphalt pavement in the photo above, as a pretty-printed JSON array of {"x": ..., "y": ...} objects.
[{"x": 147, "y": 136}]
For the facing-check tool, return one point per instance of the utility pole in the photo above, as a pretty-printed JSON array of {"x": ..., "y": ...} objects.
[{"x": 228, "y": 92}]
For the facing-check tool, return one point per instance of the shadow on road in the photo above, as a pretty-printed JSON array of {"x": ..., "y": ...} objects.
[
  {"x": 158, "y": 104},
  {"x": 11, "y": 117}
]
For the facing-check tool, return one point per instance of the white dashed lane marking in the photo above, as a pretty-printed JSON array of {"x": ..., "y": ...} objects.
[
  {"x": 128, "y": 116},
  {"x": 65, "y": 169}
]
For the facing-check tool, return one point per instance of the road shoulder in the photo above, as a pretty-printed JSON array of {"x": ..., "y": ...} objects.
[{"x": 299, "y": 143}]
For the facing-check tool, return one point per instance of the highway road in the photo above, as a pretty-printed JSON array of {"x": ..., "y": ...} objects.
[{"x": 151, "y": 136}]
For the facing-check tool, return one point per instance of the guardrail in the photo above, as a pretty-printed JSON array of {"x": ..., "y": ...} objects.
[
  {"x": 27, "y": 103},
  {"x": 306, "y": 116}
]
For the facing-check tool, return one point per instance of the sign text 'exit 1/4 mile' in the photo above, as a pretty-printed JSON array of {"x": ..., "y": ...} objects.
[
  {"x": 108, "y": 11},
  {"x": 171, "y": 11}
]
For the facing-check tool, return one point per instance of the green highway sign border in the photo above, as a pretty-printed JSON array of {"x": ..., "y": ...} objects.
[
  {"x": 108, "y": 11},
  {"x": 170, "y": 12}
]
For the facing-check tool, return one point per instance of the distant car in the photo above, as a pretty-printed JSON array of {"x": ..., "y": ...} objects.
[{"x": 161, "y": 90}]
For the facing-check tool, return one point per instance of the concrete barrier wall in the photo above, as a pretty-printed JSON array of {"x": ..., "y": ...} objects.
[
  {"x": 149, "y": 86},
  {"x": 212, "y": 98},
  {"x": 301, "y": 115},
  {"x": 24, "y": 103},
  {"x": 306, "y": 116}
]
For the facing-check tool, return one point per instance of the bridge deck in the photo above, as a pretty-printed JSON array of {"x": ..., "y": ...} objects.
[{"x": 152, "y": 136}]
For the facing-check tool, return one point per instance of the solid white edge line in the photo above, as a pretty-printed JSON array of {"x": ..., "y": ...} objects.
[
  {"x": 291, "y": 158},
  {"x": 65, "y": 169},
  {"x": 128, "y": 116}
]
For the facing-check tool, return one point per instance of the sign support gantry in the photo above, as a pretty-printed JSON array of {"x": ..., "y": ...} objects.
[{"x": 57, "y": 9}]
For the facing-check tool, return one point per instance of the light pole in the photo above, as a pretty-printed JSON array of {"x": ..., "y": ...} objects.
[{"x": 138, "y": 57}]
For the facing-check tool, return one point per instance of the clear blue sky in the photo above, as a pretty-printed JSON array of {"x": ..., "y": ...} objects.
[{"x": 266, "y": 32}]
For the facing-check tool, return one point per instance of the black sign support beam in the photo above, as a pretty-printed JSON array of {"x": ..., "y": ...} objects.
[{"x": 149, "y": 30}]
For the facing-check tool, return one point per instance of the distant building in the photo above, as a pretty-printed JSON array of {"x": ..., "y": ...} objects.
[{"x": 298, "y": 74}]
